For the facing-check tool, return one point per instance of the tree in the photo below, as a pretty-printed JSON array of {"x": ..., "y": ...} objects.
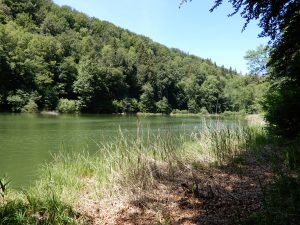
[
  {"x": 91, "y": 86},
  {"x": 68, "y": 59},
  {"x": 280, "y": 21},
  {"x": 163, "y": 106},
  {"x": 147, "y": 101},
  {"x": 257, "y": 60},
  {"x": 54, "y": 25},
  {"x": 5, "y": 12},
  {"x": 213, "y": 98}
]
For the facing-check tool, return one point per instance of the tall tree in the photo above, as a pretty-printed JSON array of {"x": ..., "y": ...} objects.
[
  {"x": 257, "y": 60},
  {"x": 279, "y": 20},
  {"x": 56, "y": 58}
]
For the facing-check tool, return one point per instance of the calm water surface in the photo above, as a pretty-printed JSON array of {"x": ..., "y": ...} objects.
[{"x": 28, "y": 140}]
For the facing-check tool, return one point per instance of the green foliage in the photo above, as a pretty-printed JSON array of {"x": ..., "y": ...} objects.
[
  {"x": 178, "y": 111},
  {"x": 257, "y": 60},
  {"x": 25, "y": 20},
  {"x": 127, "y": 105},
  {"x": 280, "y": 21},
  {"x": 163, "y": 106},
  {"x": 4, "y": 12},
  {"x": 60, "y": 53},
  {"x": 68, "y": 106},
  {"x": 30, "y": 107},
  {"x": 213, "y": 98},
  {"x": 18, "y": 100},
  {"x": 283, "y": 109},
  {"x": 282, "y": 102},
  {"x": 203, "y": 111},
  {"x": 147, "y": 103},
  {"x": 245, "y": 93},
  {"x": 23, "y": 102},
  {"x": 193, "y": 107},
  {"x": 53, "y": 24}
]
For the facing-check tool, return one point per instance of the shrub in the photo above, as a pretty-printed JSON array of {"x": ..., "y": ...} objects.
[
  {"x": 163, "y": 106},
  {"x": 193, "y": 106},
  {"x": 282, "y": 108},
  {"x": 22, "y": 101},
  {"x": 127, "y": 105},
  {"x": 178, "y": 111},
  {"x": 17, "y": 100},
  {"x": 229, "y": 113},
  {"x": 68, "y": 106},
  {"x": 30, "y": 107},
  {"x": 204, "y": 111}
]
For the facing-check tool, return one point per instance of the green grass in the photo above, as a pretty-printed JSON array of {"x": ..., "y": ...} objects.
[
  {"x": 127, "y": 163},
  {"x": 27, "y": 208}
]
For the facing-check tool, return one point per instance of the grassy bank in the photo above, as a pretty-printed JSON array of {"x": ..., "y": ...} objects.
[{"x": 124, "y": 169}]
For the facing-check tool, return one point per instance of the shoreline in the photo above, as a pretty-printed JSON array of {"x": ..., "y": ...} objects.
[
  {"x": 225, "y": 114},
  {"x": 126, "y": 172}
]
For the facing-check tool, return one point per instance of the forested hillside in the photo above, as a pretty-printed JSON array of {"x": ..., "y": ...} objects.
[{"x": 55, "y": 58}]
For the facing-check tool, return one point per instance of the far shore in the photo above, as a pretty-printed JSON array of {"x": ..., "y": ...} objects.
[{"x": 51, "y": 113}]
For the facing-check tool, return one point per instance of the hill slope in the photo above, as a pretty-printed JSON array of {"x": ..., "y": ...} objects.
[{"x": 54, "y": 57}]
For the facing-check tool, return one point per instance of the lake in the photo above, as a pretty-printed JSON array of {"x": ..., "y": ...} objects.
[{"x": 28, "y": 140}]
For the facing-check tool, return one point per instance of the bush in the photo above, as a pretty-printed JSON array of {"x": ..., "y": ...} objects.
[
  {"x": 228, "y": 113},
  {"x": 178, "y": 111},
  {"x": 17, "y": 100},
  {"x": 68, "y": 106},
  {"x": 282, "y": 108},
  {"x": 127, "y": 105},
  {"x": 193, "y": 106},
  {"x": 30, "y": 107},
  {"x": 163, "y": 106},
  {"x": 232, "y": 114},
  {"x": 22, "y": 101},
  {"x": 204, "y": 111}
]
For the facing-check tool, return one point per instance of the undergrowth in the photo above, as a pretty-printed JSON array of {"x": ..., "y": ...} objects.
[{"x": 282, "y": 198}]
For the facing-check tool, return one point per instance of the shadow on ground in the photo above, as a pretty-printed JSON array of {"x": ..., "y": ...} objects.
[{"x": 213, "y": 195}]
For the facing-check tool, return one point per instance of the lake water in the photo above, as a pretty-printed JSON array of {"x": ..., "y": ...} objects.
[{"x": 28, "y": 140}]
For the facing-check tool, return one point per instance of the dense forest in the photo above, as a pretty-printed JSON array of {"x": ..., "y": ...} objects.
[{"x": 56, "y": 58}]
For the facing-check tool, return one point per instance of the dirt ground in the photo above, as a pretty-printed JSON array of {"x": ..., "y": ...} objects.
[{"x": 206, "y": 195}]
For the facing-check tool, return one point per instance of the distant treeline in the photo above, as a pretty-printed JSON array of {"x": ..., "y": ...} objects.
[{"x": 55, "y": 58}]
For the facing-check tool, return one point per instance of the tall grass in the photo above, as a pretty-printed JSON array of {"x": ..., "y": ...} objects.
[
  {"x": 119, "y": 167},
  {"x": 222, "y": 143}
]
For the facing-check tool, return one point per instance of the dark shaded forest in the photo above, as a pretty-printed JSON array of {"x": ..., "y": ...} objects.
[{"x": 56, "y": 58}]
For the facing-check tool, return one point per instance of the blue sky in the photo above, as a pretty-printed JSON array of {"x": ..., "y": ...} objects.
[{"x": 192, "y": 28}]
